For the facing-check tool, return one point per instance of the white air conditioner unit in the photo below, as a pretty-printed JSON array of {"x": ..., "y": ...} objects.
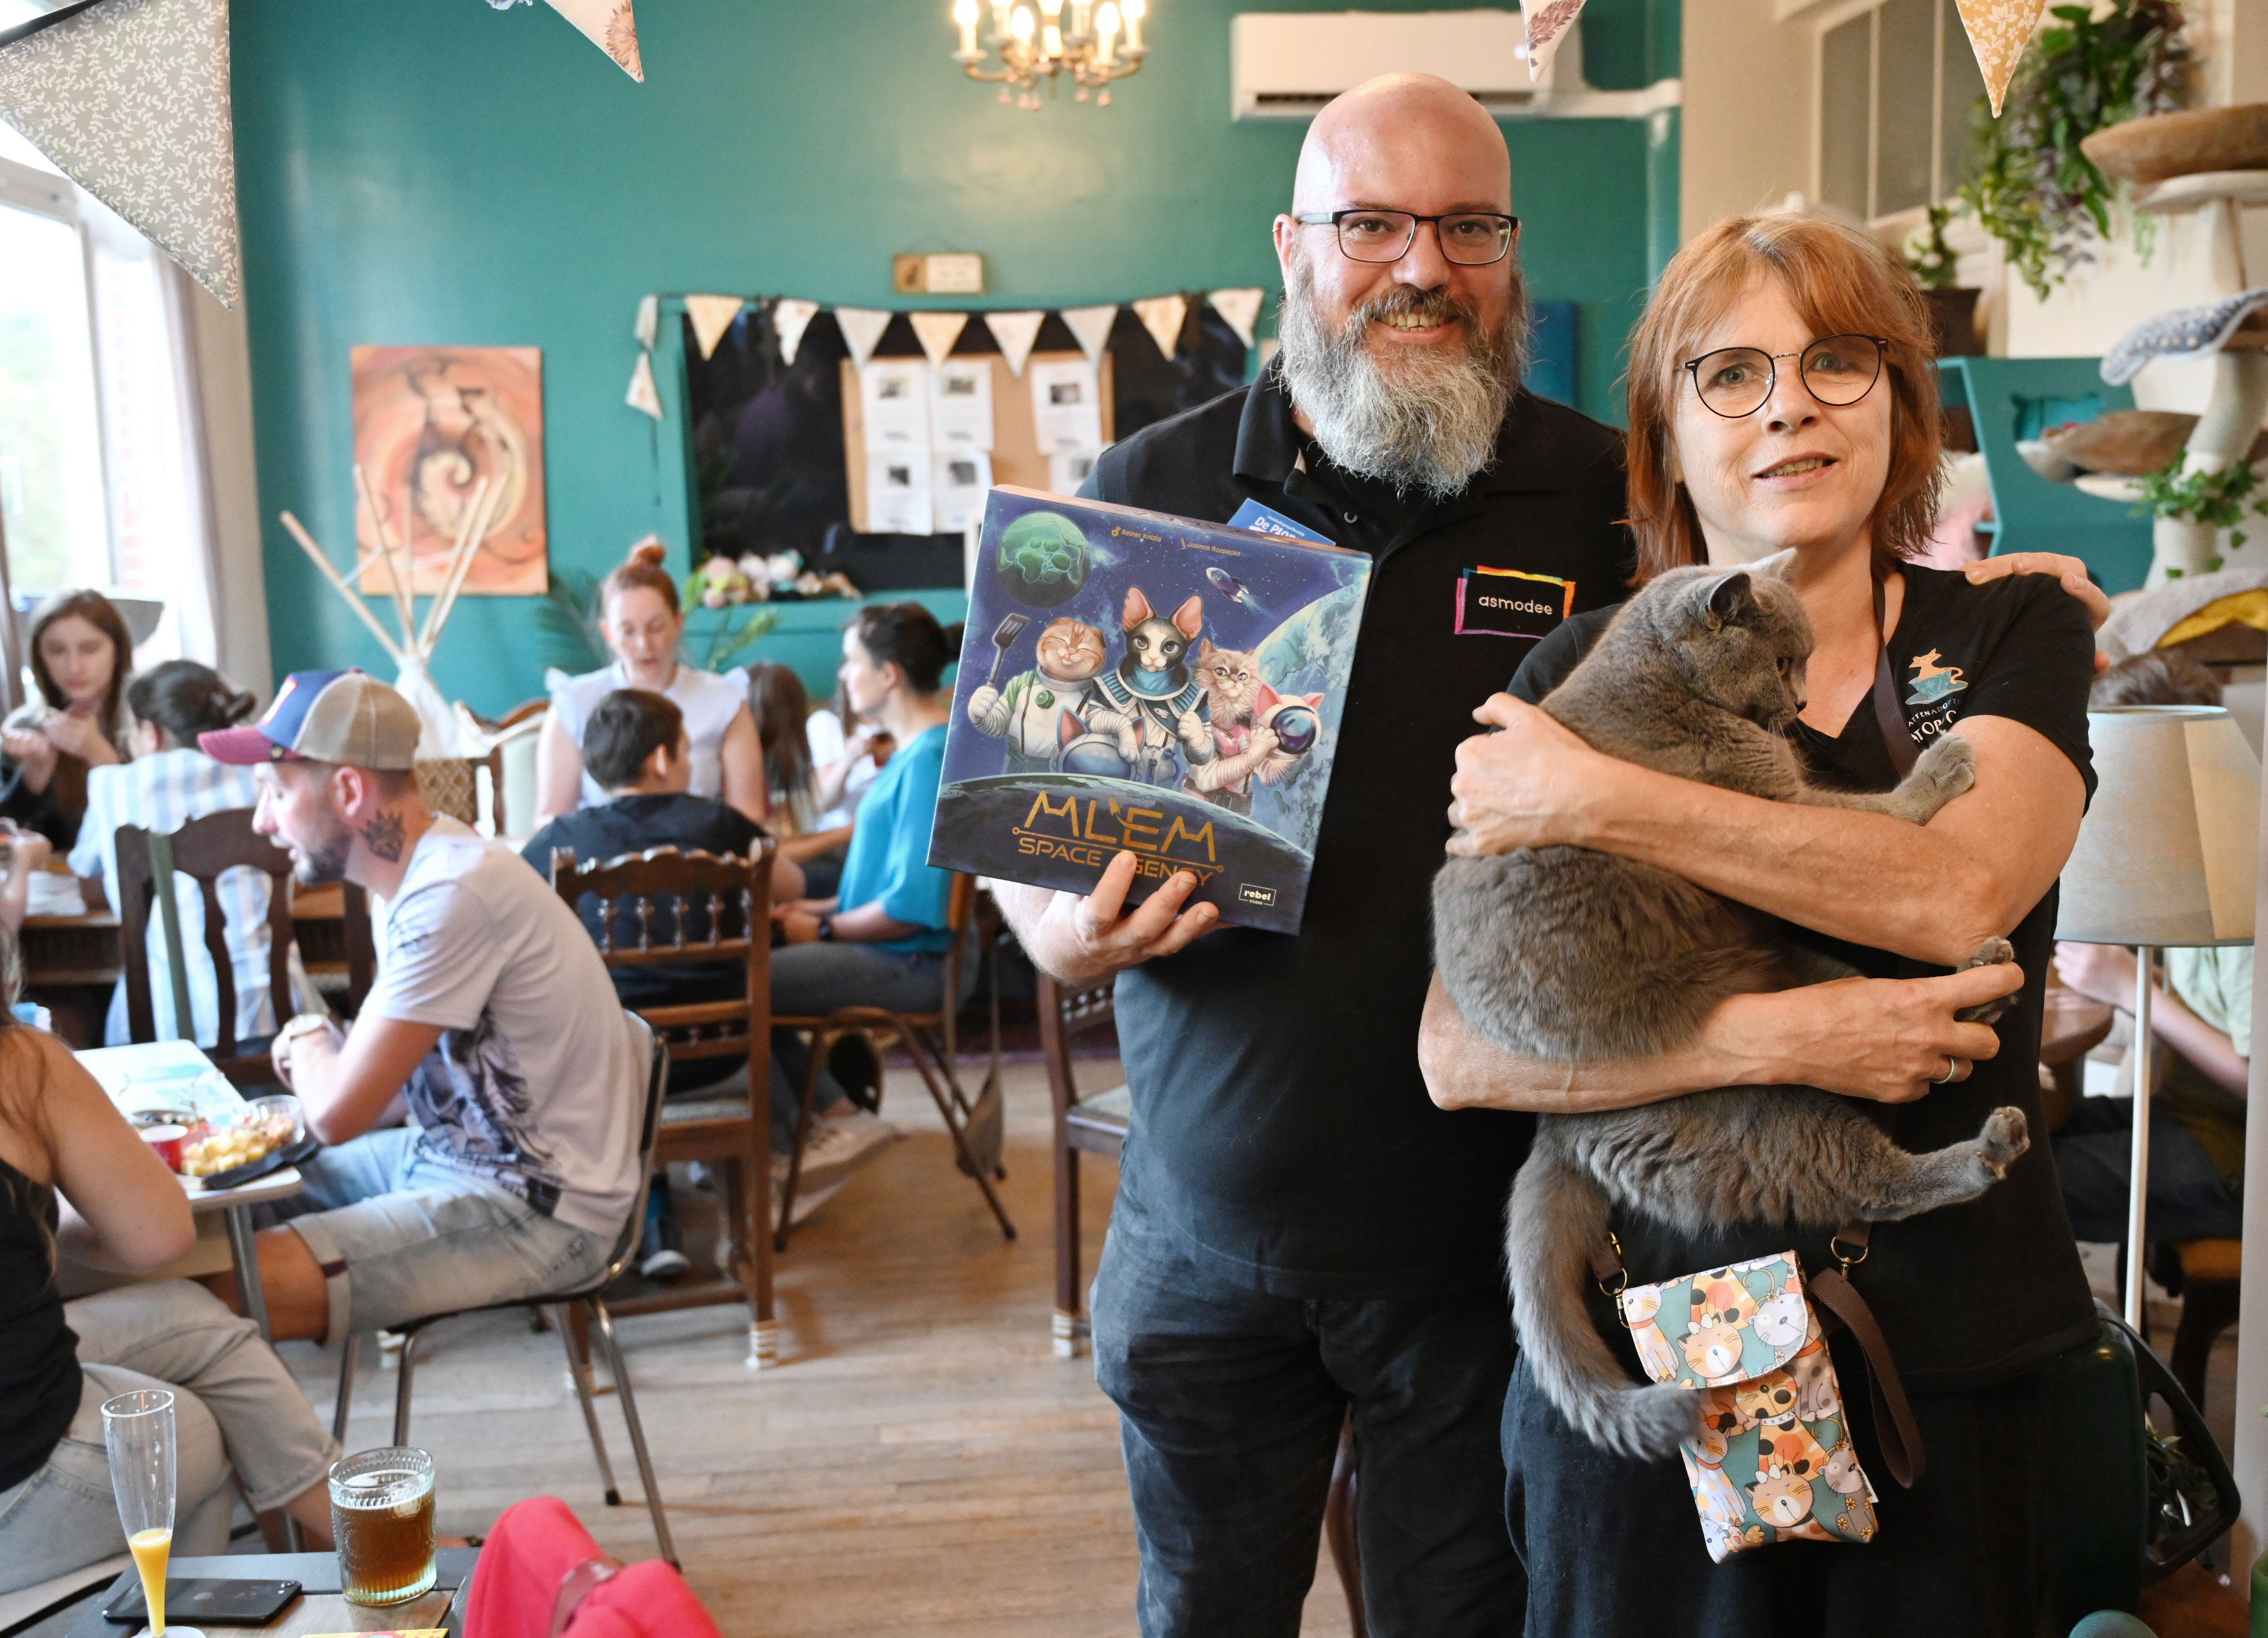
[{"x": 1286, "y": 65}]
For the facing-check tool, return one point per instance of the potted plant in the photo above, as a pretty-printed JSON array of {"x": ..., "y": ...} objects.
[
  {"x": 2032, "y": 187},
  {"x": 1952, "y": 308},
  {"x": 2192, "y": 508}
]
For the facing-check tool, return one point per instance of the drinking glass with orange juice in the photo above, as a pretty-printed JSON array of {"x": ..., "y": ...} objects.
[{"x": 137, "y": 1429}]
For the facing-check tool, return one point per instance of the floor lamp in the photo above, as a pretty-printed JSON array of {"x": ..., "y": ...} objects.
[{"x": 2167, "y": 857}]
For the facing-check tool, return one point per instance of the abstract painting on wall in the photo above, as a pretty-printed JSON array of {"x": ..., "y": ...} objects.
[{"x": 429, "y": 424}]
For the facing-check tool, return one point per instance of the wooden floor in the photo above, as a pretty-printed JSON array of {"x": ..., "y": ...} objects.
[{"x": 920, "y": 1462}]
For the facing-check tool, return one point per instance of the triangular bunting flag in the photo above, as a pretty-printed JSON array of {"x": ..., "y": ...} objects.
[
  {"x": 607, "y": 25},
  {"x": 937, "y": 331},
  {"x": 1239, "y": 308},
  {"x": 1547, "y": 25},
  {"x": 130, "y": 100},
  {"x": 1998, "y": 31},
  {"x": 1162, "y": 316},
  {"x": 643, "y": 395},
  {"x": 1091, "y": 326},
  {"x": 790, "y": 317},
  {"x": 648, "y": 327},
  {"x": 711, "y": 316},
  {"x": 1015, "y": 332},
  {"x": 862, "y": 328}
]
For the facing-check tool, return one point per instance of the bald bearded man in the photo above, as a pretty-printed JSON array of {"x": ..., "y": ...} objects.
[{"x": 1298, "y": 1227}]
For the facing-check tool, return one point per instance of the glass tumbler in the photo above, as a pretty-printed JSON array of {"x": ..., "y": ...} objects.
[{"x": 382, "y": 1520}]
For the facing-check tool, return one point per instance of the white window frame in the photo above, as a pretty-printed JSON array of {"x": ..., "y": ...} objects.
[{"x": 1824, "y": 20}]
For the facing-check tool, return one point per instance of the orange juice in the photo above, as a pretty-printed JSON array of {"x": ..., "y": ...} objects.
[{"x": 151, "y": 1548}]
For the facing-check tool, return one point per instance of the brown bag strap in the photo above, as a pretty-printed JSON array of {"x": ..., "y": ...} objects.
[
  {"x": 1896, "y": 739},
  {"x": 1894, "y": 1421}
]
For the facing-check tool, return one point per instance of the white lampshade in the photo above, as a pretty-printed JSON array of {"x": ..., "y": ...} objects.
[{"x": 2168, "y": 855}]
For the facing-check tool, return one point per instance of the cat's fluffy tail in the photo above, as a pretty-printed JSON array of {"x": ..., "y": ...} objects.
[{"x": 1555, "y": 1215}]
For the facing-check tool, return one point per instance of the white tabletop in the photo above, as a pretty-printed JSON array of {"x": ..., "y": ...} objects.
[{"x": 177, "y": 1074}]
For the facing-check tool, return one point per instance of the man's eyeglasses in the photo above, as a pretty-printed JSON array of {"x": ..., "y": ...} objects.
[
  {"x": 1736, "y": 381},
  {"x": 1469, "y": 238}
]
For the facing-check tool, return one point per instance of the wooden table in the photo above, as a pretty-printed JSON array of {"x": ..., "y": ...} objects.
[
  {"x": 2070, "y": 1027},
  {"x": 319, "y": 1608},
  {"x": 203, "y": 1088}
]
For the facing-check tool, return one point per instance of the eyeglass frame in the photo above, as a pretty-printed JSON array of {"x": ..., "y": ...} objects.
[
  {"x": 1692, "y": 368},
  {"x": 1316, "y": 218}
]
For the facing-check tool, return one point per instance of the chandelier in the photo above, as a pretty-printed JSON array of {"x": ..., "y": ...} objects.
[{"x": 1035, "y": 41}]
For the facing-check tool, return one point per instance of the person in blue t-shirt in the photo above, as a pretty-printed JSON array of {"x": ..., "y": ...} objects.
[{"x": 882, "y": 941}]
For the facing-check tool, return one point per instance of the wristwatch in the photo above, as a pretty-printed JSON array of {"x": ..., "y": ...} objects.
[
  {"x": 304, "y": 1023},
  {"x": 827, "y": 929}
]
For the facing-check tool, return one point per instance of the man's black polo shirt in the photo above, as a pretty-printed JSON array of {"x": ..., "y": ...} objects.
[{"x": 1280, "y": 1123}]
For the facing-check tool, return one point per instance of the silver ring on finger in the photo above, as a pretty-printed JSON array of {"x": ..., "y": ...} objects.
[{"x": 1951, "y": 1068}]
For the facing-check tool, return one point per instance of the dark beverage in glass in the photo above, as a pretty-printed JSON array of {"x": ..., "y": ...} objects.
[{"x": 382, "y": 1520}]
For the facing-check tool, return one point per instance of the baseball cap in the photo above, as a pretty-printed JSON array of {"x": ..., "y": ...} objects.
[{"x": 345, "y": 717}]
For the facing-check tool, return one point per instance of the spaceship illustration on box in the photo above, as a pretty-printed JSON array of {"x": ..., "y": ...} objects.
[{"x": 1138, "y": 683}]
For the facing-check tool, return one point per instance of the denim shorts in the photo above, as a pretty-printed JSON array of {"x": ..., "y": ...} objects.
[{"x": 402, "y": 1236}]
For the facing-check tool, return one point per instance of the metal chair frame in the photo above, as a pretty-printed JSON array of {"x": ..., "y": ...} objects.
[
  {"x": 932, "y": 1041},
  {"x": 590, "y": 1297}
]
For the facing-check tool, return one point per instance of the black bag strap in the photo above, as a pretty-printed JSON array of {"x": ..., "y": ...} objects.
[
  {"x": 1896, "y": 739},
  {"x": 1895, "y": 1429}
]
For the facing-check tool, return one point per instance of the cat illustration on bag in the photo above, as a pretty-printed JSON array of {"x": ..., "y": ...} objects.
[{"x": 1567, "y": 953}]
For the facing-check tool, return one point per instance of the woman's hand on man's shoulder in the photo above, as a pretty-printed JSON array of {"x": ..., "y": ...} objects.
[{"x": 2069, "y": 572}]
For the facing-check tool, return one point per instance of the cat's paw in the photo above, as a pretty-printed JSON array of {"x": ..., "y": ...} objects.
[
  {"x": 1990, "y": 953},
  {"x": 1949, "y": 766},
  {"x": 2006, "y": 1135}
]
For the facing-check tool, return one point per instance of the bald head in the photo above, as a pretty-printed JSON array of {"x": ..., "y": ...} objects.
[{"x": 1369, "y": 144}]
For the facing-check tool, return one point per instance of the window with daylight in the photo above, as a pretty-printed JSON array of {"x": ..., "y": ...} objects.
[
  {"x": 98, "y": 484},
  {"x": 1897, "y": 81}
]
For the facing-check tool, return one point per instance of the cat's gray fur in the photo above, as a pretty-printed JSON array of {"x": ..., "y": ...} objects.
[{"x": 1566, "y": 954}]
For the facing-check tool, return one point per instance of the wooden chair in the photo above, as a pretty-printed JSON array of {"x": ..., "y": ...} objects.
[
  {"x": 932, "y": 1040},
  {"x": 1097, "y": 1124},
  {"x": 732, "y": 1130},
  {"x": 201, "y": 850},
  {"x": 499, "y": 728},
  {"x": 2212, "y": 1272}
]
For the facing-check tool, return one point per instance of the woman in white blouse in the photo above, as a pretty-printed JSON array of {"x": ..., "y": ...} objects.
[{"x": 641, "y": 622}]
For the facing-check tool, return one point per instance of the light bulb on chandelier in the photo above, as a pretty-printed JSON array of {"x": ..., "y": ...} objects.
[{"x": 1091, "y": 44}]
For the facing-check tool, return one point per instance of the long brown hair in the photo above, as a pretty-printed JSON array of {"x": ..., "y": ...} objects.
[
  {"x": 23, "y": 1082},
  {"x": 100, "y": 613},
  {"x": 642, "y": 568},
  {"x": 1843, "y": 282},
  {"x": 781, "y": 708}
]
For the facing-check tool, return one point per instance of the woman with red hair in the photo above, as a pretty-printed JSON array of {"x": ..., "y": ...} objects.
[{"x": 1781, "y": 398}]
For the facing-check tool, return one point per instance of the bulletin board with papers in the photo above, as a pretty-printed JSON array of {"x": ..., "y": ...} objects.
[{"x": 922, "y": 442}]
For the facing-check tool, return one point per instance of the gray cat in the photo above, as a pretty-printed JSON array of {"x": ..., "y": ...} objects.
[{"x": 1567, "y": 953}]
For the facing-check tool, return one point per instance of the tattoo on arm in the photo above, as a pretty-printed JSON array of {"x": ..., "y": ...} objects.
[{"x": 383, "y": 835}]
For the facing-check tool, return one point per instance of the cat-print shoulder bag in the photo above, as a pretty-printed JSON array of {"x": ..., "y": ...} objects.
[{"x": 1773, "y": 1460}]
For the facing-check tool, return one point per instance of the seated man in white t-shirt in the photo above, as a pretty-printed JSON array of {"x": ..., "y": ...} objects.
[{"x": 492, "y": 1016}]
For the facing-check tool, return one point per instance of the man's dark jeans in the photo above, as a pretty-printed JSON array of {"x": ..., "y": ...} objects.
[{"x": 1230, "y": 1403}]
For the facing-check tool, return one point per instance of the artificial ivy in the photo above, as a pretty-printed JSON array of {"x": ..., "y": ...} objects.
[
  {"x": 2031, "y": 187},
  {"x": 2221, "y": 498}
]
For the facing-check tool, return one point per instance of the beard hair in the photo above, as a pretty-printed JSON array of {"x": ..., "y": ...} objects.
[
  {"x": 323, "y": 859},
  {"x": 1425, "y": 420}
]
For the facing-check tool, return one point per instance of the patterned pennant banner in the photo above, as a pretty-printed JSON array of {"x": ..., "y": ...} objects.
[
  {"x": 1546, "y": 25},
  {"x": 607, "y": 25},
  {"x": 130, "y": 100},
  {"x": 790, "y": 317},
  {"x": 711, "y": 316},
  {"x": 937, "y": 331},
  {"x": 1162, "y": 317},
  {"x": 648, "y": 327},
  {"x": 1015, "y": 332},
  {"x": 1091, "y": 326},
  {"x": 643, "y": 395},
  {"x": 1998, "y": 31},
  {"x": 1239, "y": 308},
  {"x": 862, "y": 328}
]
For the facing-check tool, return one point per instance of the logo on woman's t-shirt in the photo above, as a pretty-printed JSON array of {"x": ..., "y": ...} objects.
[{"x": 1933, "y": 682}]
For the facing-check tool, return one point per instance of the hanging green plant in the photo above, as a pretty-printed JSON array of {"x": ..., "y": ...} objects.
[
  {"x": 1929, "y": 258},
  {"x": 2031, "y": 185},
  {"x": 2220, "y": 500}
]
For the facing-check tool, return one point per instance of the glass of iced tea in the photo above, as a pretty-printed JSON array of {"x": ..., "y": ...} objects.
[{"x": 382, "y": 1520}]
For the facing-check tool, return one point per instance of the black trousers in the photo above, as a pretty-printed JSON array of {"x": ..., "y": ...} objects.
[
  {"x": 1613, "y": 1546},
  {"x": 1230, "y": 1403},
  {"x": 2190, "y": 1199}
]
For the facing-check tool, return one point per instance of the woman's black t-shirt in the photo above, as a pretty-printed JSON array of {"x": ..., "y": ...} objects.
[
  {"x": 38, "y": 1355},
  {"x": 1974, "y": 1293}
]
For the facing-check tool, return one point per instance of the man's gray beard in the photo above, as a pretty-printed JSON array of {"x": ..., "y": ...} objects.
[
  {"x": 1428, "y": 419},
  {"x": 323, "y": 859}
]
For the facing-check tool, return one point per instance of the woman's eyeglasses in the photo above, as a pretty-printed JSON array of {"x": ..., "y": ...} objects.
[
  {"x": 1469, "y": 238},
  {"x": 1736, "y": 381}
]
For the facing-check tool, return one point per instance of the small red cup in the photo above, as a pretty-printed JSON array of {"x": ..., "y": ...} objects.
[{"x": 171, "y": 1142}]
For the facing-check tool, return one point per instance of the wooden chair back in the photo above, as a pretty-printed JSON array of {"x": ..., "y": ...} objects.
[
  {"x": 732, "y": 896},
  {"x": 202, "y": 850}
]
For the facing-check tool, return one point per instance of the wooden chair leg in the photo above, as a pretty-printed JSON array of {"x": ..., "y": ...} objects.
[
  {"x": 1339, "y": 1527},
  {"x": 2208, "y": 1308},
  {"x": 1067, "y": 1302},
  {"x": 753, "y": 1225},
  {"x": 348, "y": 1352},
  {"x": 822, "y": 1042},
  {"x": 408, "y": 1370}
]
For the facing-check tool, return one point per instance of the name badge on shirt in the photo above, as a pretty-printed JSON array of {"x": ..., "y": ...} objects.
[{"x": 1510, "y": 602}]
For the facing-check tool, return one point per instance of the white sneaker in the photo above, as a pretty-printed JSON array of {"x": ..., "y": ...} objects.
[
  {"x": 664, "y": 1265},
  {"x": 840, "y": 1144}
]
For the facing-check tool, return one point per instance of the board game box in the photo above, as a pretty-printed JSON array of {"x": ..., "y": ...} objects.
[{"x": 1131, "y": 681}]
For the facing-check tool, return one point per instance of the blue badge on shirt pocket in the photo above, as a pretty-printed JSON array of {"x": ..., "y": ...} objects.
[{"x": 1510, "y": 602}]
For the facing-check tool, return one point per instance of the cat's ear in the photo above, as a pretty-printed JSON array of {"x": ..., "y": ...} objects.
[
  {"x": 1779, "y": 566},
  {"x": 1138, "y": 609},
  {"x": 1204, "y": 649},
  {"x": 1189, "y": 619},
  {"x": 1314, "y": 701},
  {"x": 1732, "y": 600},
  {"x": 1068, "y": 727},
  {"x": 1267, "y": 698}
]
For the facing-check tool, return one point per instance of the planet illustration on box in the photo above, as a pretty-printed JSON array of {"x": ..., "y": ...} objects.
[{"x": 1043, "y": 560}]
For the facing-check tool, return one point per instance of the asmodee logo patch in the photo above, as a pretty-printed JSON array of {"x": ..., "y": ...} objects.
[{"x": 1509, "y": 602}]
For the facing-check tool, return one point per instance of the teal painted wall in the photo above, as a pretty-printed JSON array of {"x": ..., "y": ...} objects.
[{"x": 435, "y": 170}]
